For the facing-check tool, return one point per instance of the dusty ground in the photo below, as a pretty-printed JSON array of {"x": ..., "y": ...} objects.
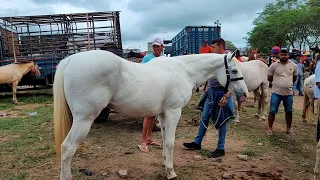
[{"x": 26, "y": 146}]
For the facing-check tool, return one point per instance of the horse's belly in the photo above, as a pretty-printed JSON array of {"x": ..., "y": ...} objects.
[
  {"x": 136, "y": 108},
  {"x": 6, "y": 76}
]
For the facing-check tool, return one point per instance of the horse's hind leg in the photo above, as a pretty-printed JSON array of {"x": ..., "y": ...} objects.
[
  {"x": 263, "y": 101},
  {"x": 78, "y": 132},
  {"x": 257, "y": 97},
  {"x": 168, "y": 125},
  {"x": 305, "y": 105},
  {"x": 85, "y": 109}
]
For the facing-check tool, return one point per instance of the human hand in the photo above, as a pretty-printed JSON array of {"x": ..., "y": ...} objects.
[{"x": 223, "y": 101}]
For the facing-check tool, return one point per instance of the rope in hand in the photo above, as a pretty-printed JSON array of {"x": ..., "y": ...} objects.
[{"x": 216, "y": 119}]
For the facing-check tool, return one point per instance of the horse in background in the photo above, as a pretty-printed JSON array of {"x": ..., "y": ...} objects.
[
  {"x": 255, "y": 75},
  {"x": 161, "y": 87},
  {"x": 308, "y": 99},
  {"x": 12, "y": 74},
  {"x": 253, "y": 54}
]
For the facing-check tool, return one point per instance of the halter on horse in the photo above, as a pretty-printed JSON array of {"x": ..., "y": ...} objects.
[{"x": 12, "y": 74}]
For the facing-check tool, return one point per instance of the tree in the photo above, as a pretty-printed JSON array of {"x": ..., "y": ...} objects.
[
  {"x": 230, "y": 45},
  {"x": 287, "y": 23}
]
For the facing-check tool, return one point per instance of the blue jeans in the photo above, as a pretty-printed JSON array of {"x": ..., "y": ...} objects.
[
  {"x": 298, "y": 84},
  {"x": 205, "y": 116},
  {"x": 275, "y": 102}
]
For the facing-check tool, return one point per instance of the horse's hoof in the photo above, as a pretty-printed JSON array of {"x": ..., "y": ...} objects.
[
  {"x": 14, "y": 102},
  {"x": 172, "y": 175},
  {"x": 256, "y": 115}
]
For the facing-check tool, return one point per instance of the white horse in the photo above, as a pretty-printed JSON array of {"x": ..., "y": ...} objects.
[
  {"x": 255, "y": 75},
  {"x": 308, "y": 98},
  {"x": 87, "y": 82},
  {"x": 244, "y": 58}
]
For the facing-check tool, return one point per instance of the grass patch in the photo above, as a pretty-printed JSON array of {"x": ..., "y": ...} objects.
[
  {"x": 249, "y": 152},
  {"x": 30, "y": 138}
]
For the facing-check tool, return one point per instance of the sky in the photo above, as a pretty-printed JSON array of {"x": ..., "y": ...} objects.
[{"x": 143, "y": 20}]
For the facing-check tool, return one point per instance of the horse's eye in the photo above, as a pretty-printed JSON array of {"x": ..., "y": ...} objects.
[{"x": 234, "y": 71}]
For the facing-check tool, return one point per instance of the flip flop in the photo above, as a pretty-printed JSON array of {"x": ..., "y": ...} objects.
[
  {"x": 155, "y": 143},
  {"x": 143, "y": 148}
]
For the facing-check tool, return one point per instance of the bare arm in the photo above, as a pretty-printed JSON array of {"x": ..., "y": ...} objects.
[
  {"x": 318, "y": 84},
  {"x": 294, "y": 78}
]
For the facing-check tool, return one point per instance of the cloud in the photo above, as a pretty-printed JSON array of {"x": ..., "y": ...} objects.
[{"x": 143, "y": 20}]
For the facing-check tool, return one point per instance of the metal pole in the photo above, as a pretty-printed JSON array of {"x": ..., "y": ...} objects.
[
  {"x": 13, "y": 48},
  {"x": 88, "y": 32}
]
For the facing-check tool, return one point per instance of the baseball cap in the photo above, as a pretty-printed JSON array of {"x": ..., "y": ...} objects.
[{"x": 158, "y": 42}]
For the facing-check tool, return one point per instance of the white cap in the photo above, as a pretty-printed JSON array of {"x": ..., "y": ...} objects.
[{"x": 158, "y": 42}]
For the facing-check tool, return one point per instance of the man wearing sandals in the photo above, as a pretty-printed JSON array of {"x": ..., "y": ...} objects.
[
  {"x": 148, "y": 122},
  {"x": 282, "y": 74},
  {"x": 214, "y": 98}
]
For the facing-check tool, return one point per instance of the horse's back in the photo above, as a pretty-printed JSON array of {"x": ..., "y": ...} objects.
[
  {"x": 91, "y": 74},
  {"x": 260, "y": 71}
]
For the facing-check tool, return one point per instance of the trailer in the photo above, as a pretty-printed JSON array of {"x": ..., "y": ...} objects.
[
  {"x": 191, "y": 38},
  {"x": 47, "y": 39}
]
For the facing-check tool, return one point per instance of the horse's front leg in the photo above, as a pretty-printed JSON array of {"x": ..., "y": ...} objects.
[
  {"x": 169, "y": 125},
  {"x": 316, "y": 167},
  {"x": 236, "y": 105},
  {"x": 14, "y": 92},
  {"x": 161, "y": 119}
]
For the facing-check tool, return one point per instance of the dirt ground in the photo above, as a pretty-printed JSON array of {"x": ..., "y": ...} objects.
[{"x": 113, "y": 145}]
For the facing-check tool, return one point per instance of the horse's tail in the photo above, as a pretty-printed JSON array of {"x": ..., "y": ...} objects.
[{"x": 62, "y": 114}]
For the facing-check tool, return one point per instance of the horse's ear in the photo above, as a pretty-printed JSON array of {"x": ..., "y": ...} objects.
[{"x": 233, "y": 54}]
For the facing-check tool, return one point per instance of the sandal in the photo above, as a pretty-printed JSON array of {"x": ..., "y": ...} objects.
[
  {"x": 143, "y": 148},
  {"x": 155, "y": 143}
]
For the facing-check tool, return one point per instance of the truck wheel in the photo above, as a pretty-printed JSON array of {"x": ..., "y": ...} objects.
[
  {"x": 103, "y": 116},
  {"x": 156, "y": 125}
]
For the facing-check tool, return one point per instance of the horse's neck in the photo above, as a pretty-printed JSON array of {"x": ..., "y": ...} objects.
[
  {"x": 200, "y": 68},
  {"x": 24, "y": 68}
]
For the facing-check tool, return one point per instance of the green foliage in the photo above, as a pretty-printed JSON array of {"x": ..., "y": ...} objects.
[
  {"x": 286, "y": 22},
  {"x": 230, "y": 45}
]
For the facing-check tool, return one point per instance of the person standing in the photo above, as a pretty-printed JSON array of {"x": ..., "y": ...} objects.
[
  {"x": 298, "y": 84},
  {"x": 203, "y": 50},
  {"x": 214, "y": 98},
  {"x": 148, "y": 122},
  {"x": 283, "y": 74}
]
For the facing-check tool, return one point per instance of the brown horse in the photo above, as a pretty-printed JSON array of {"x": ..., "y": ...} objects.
[
  {"x": 253, "y": 55},
  {"x": 12, "y": 74}
]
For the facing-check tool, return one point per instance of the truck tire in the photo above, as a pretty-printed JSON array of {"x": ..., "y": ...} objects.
[{"x": 103, "y": 116}]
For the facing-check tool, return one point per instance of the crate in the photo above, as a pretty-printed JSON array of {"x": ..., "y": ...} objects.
[{"x": 46, "y": 39}]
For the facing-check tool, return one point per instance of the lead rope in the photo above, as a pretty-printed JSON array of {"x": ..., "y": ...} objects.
[{"x": 215, "y": 121}]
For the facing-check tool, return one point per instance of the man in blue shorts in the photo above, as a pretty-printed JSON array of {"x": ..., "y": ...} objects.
[{"x": 282, "y": 74}]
